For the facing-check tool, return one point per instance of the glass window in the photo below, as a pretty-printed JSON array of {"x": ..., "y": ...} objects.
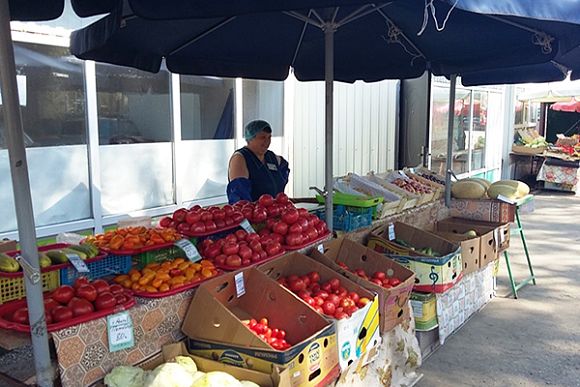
[
  {"x": 207, "y": 108},
  {"x": 265, "y": 100},
  {"x": 479, "y": 130},
  {"x": 133, "y": 106},
  {"x": 52, "y": 96}
]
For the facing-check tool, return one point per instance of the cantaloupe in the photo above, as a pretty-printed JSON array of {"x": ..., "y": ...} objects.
[
  {"x": 522, "y": 189},
  {"x": 485, "y": 183},
  {"x": 466, "y": 189},
  {"x": 508, "y": 191}
]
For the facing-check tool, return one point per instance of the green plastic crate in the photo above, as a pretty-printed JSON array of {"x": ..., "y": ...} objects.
[{"x": 160, "y": 255}]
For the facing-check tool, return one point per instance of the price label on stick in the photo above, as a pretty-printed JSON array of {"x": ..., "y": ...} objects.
[
  {"x": 240, "y": 287},
  {"x": 247, "y": 226},
  {"x": 189, "y": 250},
  {"x": 391, "y": 232},
  {"x": 78, "y": 263},
  {"x": 120, "y": 331}
]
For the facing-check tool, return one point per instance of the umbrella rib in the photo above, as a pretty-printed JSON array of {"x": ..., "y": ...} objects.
[
  {"x": 303, "y": 18},
  {"x": 299, "y": 41},
  {"x": 387, "y": 18},
  {"x": 359, "y": 13},
  {"x": 541, "y": 38},
  {"x": 201, "y": 35}
]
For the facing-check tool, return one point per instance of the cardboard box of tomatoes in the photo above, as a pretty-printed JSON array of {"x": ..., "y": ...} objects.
[
  {"x": 353, "y": 309},
  {"x": 218, "y": 326},
  {"x": 391, "y": 281},
  {"x": 435, "y": 261}
]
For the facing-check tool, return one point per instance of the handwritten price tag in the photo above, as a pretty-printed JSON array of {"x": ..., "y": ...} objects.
[
  {"x": 120, "y": 331},
  {"x": 189, "y": 250},
  {"x": 78, "y": 263},
  {"x": 247, "y": 226}
]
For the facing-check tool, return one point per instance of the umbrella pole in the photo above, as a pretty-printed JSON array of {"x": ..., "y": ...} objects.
[
  {"x": 448, "y": 164},
  {"x": 329, "y": 29},
  {"x": 23, "y": 202}
]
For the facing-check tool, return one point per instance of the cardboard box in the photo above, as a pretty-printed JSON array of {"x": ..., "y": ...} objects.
[
  {"x": 470, "y": 249},
  {"x": 487, "y": 210},
  {"x": 424, "y": 310},
  {"x": 7, "y": 245},
  {"x": 213, "y": 324},
  {"x": 392, "y": 301},
  {"x": 277, "y": 377},
  {"x": 486, "y": 234},
  {"x": 495, "y": 236},
  {"x": 432, "y": 273},
  {"x": 356, "y": 334}
]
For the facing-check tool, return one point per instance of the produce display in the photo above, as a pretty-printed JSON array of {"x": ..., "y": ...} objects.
[
  {"x": 475, "y": 188},
  {"x": 329, "y": 298},
  {"x": 295, "y": 228},
  {"x": 70, "y": 305},
  {"x": 412, "y": 186},
  {"x": 181, "y": 372},
  {"x": 378, "y": 278},
  {"x": 428, "y": 251},
  {"x": 164, "y": 277},
  {"x": 134, "y": 239},
  {"x": 50, "y": 257},
  {"x": 265, "y": 207},
  {"x": 198, "y": 221},
  {"x": 241, "y": 249},
  {"x": 432, "y": 177},
  {"x": 276, "y": 338}
]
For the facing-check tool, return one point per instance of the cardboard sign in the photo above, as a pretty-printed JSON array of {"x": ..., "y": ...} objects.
[
  {"x": 189, "y": 250},
  {"x": 120, "y": 331},
  {"x": 78, "y": 263}
]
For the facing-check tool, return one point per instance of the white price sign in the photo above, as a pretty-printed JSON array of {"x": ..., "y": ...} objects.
[
  {"x": 391, "y": 232},
  {"x": 120, "y": 331},
  {"x": 247, "y": 226},
  {"x": 240, "y": 287},
  {"x": 189, "y": 249},
  {"x": 78, "y": 263}
]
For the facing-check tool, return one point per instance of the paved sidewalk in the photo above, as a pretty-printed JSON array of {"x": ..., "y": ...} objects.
[{"x": 534, "y": 340}]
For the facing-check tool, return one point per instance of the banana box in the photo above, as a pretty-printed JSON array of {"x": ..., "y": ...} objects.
[
  {"x": 435, "y": 261},
  {"x": 215, "y": 329},
  {"x": 355, "y": 256},
  {"x": 355, "y": 334}
]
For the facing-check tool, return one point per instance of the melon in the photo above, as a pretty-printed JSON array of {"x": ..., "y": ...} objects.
[
  {"x": 485, "y": 183},
  {"x": 508, "y": 191},
  {"x": 522, "y": 189},
  {"x": 466, "y": 189}
]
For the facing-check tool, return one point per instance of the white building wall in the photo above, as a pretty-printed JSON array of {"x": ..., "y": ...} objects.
[{"x": 365, "y": 120}]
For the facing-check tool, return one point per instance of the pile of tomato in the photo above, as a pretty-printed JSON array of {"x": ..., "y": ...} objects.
[
  {"x": 83, "y": 298},
  {"x": 275, "y": 337},
  {"x": 167, "y": 275},
  {"x": 329, "y": 298},
  {"x": 240, "y": 249},
  {"x": 378, "y": 278},
  {"x": 133, "y": 238},
  {"x": 295, "y": 227}
]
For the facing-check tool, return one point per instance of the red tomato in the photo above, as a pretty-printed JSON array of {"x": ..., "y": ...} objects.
[
  {"x": 311, "y": 233},
  {"x": 354, "y": 296},
  {"x": 334, "y": 283},
  {"x": 228, "y": 210},
  {"x": 80, "y": 306},
  {"x": 395, "y": 281},
  {"x": 88, "y": 292},
  {"x": 165, "y": 222},
  {"x": 101, "y": 285},
  {"x": 116, "y": 289},
  {"x": 183, "y": 227},
  {"x": 259, "y": 215},
  {"x": 319, "y": 309},
  {"x": 20, "y": 316},
  {"x": 220, "y": 223},
  {"x": 63, "y": 294},
  {"x": 80, "y": 281},
  {"x": 328, "y": 308},
  {"x": 274, "y": 210},
  {"x": 314, "y": 276},
  {"x": 322, "y": 294},
  {"x": 221, "y": 259},
  {"x": 197, "y": 228},
  {"x": 282, "y": 198},
  {"x": 62, "y": 313},
  {"x": 264, "y": 255},
  {"x": 340, "y": 315},
  {"x": 121, "y": 298},
  {"x": 273, "y": 248},
  {"x": 206, "y": 216},
  {"x": 334, "y": 299},
  {"x": 290, "y": 216},
  {"x": 237, "y": 217},
  {"x": 179, "y": 215},
  {"x": 294, "y": 239},
  {"x": 192, "y": 217},
  {"x": 210, "y": 226},
  {"x": 228, "y": 221},
  {"x": 212, "y": 251},
  {"x": 346, "y": 303},
  {"x": 296, "y": 285},
  {"x": 219, "y": 214},
  {"x": 230, "y": 248},
  {"x": 304, "y": 293},
  {"x": 341, "y": 292},
  {"x": 303, "y": 222},
  {"x": 234, "y": 260},
  {"x": 245, "y": 252},
  {"x": 280, "y": 228},
  {"x": 49, "y": 305},
  {"x": 327, "y": 287},
  {"x": 241, "y": 234},
  {"x": 105, "y": 300},
  {"x": 379, "y": 274},
  {"x": 377, "y": 281},
  {"x": 295, "y": 228},
  {"x": 266, "y": 200}
]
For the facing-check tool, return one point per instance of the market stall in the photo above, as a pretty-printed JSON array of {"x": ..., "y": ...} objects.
[{"x": 173, "y": 274}]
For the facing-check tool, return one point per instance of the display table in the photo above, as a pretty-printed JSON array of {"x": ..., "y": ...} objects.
[{"x": 560, "y": 175}]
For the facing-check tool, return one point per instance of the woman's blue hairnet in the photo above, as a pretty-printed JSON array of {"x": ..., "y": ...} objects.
[{"x": 254, "y": 127}]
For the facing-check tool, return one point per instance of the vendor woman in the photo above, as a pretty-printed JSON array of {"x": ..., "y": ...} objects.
[{"x": 254, "y": 170}]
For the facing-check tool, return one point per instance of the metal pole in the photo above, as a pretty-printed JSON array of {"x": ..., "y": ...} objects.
[
  {"x": 23, "y": 202},
  {"x": 449, "y": 165},
  {"x": 329, "y": 29}
]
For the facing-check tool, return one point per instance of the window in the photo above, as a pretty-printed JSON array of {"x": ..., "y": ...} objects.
[
  {"x": 265, "y": 100},
  {"x": 479, "y": 129},
  {"x": 207, "y": 108},
  {"x": 133, "y": 105},
  {"x": 51, "y": 93}
]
